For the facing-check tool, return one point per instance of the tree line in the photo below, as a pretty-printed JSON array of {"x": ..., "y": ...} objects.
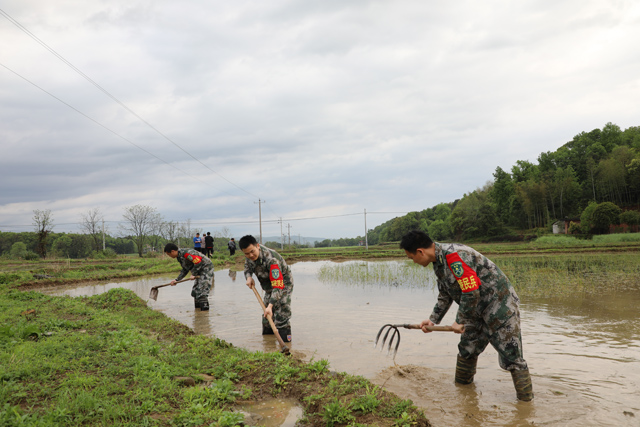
[
  {"x": 144, "y": 230},
  {"x": 592, "y": 181}
]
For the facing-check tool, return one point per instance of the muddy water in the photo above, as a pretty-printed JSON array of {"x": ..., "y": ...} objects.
[{"x": 583, "y": 353}]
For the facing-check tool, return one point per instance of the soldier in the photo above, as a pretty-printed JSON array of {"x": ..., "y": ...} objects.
[
  {"x": 275, "y": 278},
  {"x": 193, "y": 261},
  {"x": 487, "y": 307}
]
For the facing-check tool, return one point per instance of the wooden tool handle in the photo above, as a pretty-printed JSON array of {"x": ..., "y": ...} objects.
[
  {"x": 430, "y": 328},
  {"x": 273, "y": 325},
  {"x": 179, "y": 281}
]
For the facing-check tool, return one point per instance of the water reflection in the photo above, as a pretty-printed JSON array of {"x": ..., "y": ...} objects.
[{"x": 582, "y": 351}]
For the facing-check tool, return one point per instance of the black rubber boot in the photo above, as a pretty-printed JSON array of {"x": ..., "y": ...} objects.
[
  {"x": 465, "y": 370},
  {"x": 285, "y": 334},
  {"x": 196, "y": 303},
  {"x": 266, "y": 330},
  {"x": 522, "y": 382},
  {"x": 204, "y": 304}
]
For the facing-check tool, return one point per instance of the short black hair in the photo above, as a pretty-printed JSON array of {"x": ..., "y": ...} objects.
[
  {"x": 208, "y": 233},
  {"x": 170, "y": 247},
  {"x": 247, "y": 241},
  {"x": 414, "y": 240}
]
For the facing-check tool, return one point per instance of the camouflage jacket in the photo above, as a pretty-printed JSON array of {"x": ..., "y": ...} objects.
[
  {"x": 192, "y": 261},
  {"x": 272, "y": 271},
  {"x": 477, "y": 285}
]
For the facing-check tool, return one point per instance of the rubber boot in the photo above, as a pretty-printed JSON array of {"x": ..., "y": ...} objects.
[
  {"x": 465, "y": 370},
  {"x": 204, "y": 304},
  {"x": 196, "y": 303},
  {"x": 285, "y": 334},
  {"x": 266, "y": 330},
  {"x": 522, "y": 382}
]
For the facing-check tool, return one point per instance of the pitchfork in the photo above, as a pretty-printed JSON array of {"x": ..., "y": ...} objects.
[{"x": 396, "y": 333}]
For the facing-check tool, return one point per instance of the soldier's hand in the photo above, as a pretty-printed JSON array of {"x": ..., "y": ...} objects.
[
  {"x": 457, "y": 328},
  {"x": 193, "y": 277},
  {"x": 424, "y": 324},
  {"x": 250, "y": 282},
  {"x": 268, "y": 312},
  {"x": 174, "y": 282}
]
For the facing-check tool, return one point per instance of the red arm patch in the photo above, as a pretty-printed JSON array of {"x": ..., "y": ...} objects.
[
  {"x": 193, "y": 258},
  {"x": 275, "y": 275},
  {"x": 465, "y": 275}
]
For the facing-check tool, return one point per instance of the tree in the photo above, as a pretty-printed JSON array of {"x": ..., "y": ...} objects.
[
  {"x": 140, "y": 224},
  {"x": 18, "y": 250},
  {"x": 91, "y": 223},
  {"x": 605, "y": 215},
  {"x": 440, "y": 230},
  {"x": 502, "y": 193},
  {"x": 43, "y": 223},
  {"x": 586, "y": 218},
  {"x": 631, "y": 218}
]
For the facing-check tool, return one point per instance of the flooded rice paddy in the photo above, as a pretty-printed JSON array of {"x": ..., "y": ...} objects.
[{"x": 583, "y": 350}]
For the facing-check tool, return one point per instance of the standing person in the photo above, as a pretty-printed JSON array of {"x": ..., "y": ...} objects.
[
  {"x": 197, "y": 243},
  {"x": 192, "y": 261},
  {"x": 275, "y": 278},
  {"x": 232, "y": 247},
  {"x": 487, "y": 307},
  {"x": 208, "y": 244}
]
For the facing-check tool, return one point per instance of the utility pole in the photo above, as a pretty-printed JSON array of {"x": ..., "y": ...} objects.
[
  {"x": 366, "y": 240},
  {"x": 103, "y": 241},
  {"x": 260, "y": 202},
  {"x": 289, "y": 233}
]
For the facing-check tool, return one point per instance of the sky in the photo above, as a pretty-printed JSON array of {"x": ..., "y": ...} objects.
[{"x": 319, "y": 109}]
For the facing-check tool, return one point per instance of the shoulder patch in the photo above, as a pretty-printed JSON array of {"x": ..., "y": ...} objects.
[
  {"x": 465, "y": 275},
  {"x": 275, "y": 276},
  {"x": 193, "y": 258}
]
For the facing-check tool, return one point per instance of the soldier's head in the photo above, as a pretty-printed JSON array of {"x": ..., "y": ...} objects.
[
  {"x": 171, "y": 249},
  {"x": 419, "y": 247},
  {"x": 250, "y": 247}
]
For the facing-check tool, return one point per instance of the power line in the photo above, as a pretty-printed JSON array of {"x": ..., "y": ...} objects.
[
  {"x": 107, "y": 93},
  {"x": 108, "y": 129}
]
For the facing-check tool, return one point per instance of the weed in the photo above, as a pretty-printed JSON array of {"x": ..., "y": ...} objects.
[{"x": 335, "y": 413}]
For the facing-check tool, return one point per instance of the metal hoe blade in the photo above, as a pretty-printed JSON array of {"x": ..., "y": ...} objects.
[
  {"x": 154, "y": 294},
  {"x": 395, "y": 333}
]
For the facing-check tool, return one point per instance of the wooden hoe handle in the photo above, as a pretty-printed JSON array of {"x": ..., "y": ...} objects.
[{"x": 285, "y": 349}]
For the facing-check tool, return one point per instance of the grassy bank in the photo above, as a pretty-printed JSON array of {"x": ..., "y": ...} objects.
[{"x": 109, "y": 360}]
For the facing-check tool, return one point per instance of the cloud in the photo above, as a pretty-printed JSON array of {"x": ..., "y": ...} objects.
[{"x": 320, "y": 108}]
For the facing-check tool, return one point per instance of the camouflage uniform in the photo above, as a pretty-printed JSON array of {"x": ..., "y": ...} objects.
[
  {"x": 199, "y": 265},
  {"x": 275, "y": 278},
  {"x": 487, "y": 302}
]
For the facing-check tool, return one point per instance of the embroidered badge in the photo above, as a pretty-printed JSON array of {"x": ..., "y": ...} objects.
[
  {"x": 276, "y": 277},
  {"x": 465, "y": 275},
  {"x": 457, "y": 269}
]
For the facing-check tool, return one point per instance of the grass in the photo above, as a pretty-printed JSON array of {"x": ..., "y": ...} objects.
[
  {"x": 538, "y": 275},
  {"x": 29, "y": 274},
  {"x": 110, "y": 360}
]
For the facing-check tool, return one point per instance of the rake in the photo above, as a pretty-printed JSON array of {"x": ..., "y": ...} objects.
[{"x": 395, "y": 334}]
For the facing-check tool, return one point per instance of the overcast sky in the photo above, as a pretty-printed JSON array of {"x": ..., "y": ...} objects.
[{"x": 321, "y": 108}]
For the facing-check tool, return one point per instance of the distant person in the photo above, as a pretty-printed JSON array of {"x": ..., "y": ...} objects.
[
  {"x": 275, "y": 278},
  {"x": 487, "y": 307},
  {"x": 197, "y": 243},
  {"x": 232, "y": 247},
  {"x": 208, "y": 244},
  {"x": 192, "y": 261}
]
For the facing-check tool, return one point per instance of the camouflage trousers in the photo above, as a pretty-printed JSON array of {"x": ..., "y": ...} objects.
[
  {"x": 506, "y": 339},
  {"x": 281, "y": 310},
  {"x": 203, "y": 284}
]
